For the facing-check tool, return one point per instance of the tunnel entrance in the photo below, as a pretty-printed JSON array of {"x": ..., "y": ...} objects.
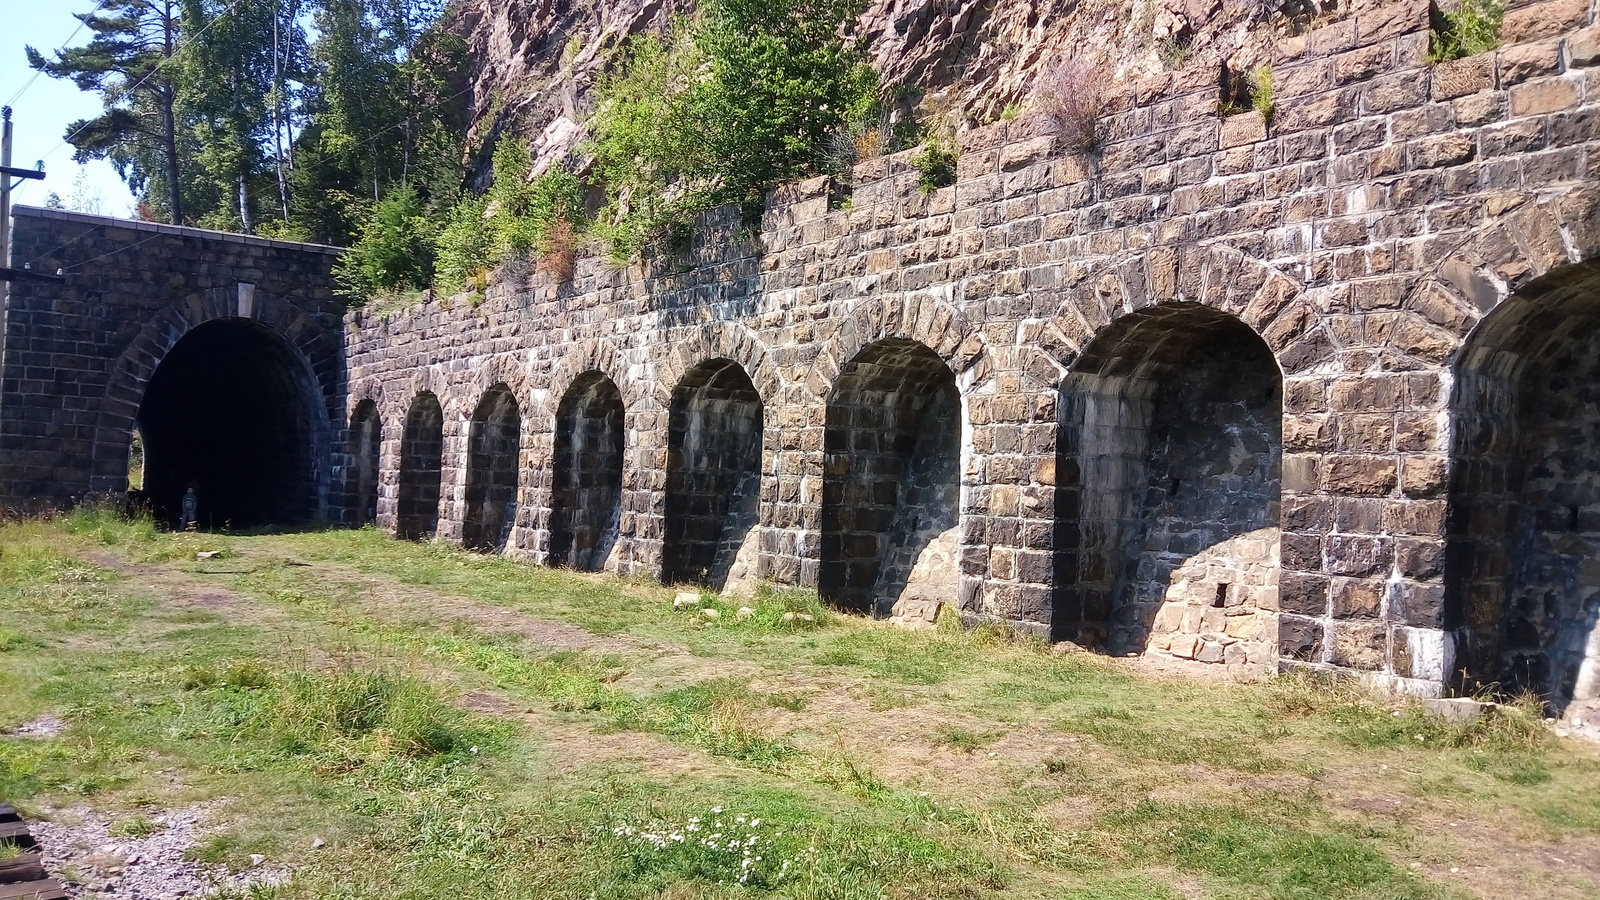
[
  {"x": 234, "y": 412},
  {"x": 713, "y": 474},
  {"x": 494, "y": 447},
  {"x": 366, "y": 438},
  {"x": 1522, "y": 563},
  {"x": 1168, "y": 489},
  {"x": 421, "y": 469},
  {"x": 586, "y": 496},
  {"x": 891, "y": 491}
]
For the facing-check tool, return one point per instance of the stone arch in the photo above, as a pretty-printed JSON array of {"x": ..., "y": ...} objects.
[
  {"x": 890, "y": 542},
  {"x": 1271, "y": 302},
  {"x": 1522, "y": 594},
  {"x": 592, "y": 355},
  {"x": 586, "y": 473},
  {"x": 504, "y": 369},
  {"x": 923, "y": 319},
  {"x": 720, "y": 340},
  {"x": 420, "y": 478},
  {"x": 494, "y": 466},
  {"x": 1511, "y": 256},
  {"x": 317, "y": 349},
  {"x": 715, "y": 433},
  {"x": 363, "y": 454},
  {"x": 1169, "y": 488}
]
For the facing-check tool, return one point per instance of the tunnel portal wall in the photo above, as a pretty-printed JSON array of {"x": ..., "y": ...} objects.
[{"x": 77, "y": 357}]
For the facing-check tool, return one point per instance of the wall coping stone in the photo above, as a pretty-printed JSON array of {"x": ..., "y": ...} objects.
[{"x": 179, "y": 230}]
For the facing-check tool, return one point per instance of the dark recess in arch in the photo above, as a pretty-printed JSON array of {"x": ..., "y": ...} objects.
[
  {"x": 586, "y": 495},
  {"x": 891, "y": 475},
  {"x": 421, "y": 469},
  {"x": 1522, "y": 585},
  {"x": 494, "y": 445},
  {"x": 1171, "y": 444},
  {"x": 235, "y": 411},
  {"x": 713, "y": 473},
  {"x": 366, "y": 438}
]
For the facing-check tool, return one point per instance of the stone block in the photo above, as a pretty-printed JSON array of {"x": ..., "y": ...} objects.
[
  {"x": 1520, "y": 63},
  {"x": 1542, "y": 20},
  {"x": 1543, "y": 97},
  {"x": 1442, "y": 150},
  {"x": 1463, "y": 77},
  {"x": 1583, "y": 47},
  {"x": 1359, "y": 646}
]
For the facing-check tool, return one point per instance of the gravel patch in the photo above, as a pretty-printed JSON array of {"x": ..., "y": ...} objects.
[{"x": 80, "y": 849}]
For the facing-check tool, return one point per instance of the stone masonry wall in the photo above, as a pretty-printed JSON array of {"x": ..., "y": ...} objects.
[{"x": 1362, "y": 233}]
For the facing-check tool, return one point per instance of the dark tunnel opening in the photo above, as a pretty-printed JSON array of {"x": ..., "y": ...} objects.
[{"x": 233, "y": 412}]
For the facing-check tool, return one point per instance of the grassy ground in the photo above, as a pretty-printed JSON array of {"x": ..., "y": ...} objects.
[{"x": 458, "y": 725}]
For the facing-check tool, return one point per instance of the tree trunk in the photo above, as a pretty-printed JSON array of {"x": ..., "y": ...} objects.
[
  {"x": 277, "y": 107},
  {"x": 169, "y": 148},
  {"x": 244, "y": 207}
]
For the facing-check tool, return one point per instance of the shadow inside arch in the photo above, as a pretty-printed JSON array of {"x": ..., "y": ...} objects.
[{"x": 1168, "y": 489}]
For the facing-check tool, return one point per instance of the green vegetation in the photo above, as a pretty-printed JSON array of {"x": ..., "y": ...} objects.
[
  {"x": 400, "y": 249},
  {"x": 1261, "y": 97},
  {"x": 936, "y": 165},
  {"x": 455, "y": 724},
  {"x": 725, "y": 107},
  {"x": 1472, "y": 28},
  {"x": 293, "y": 119}
]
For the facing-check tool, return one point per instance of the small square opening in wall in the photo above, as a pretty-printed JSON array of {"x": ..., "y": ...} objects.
[{"x": 1221, "y": 599}]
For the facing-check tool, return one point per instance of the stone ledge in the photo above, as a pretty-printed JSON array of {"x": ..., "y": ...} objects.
[{"x": 179, "y": 230}]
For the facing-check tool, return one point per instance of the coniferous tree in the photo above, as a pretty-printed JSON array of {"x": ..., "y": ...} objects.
[{"x": 128, "y": 63}]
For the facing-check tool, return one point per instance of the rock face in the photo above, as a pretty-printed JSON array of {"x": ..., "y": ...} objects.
[{"x": 536, "y": 62}]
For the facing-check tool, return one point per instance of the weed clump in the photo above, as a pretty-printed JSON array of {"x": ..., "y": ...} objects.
[
  {"x": 336, "y": 722},
  {"x": 1072, "y": 94},
  {"x": 935, "y": 164},
  {"x": 1471, "y": 28}
]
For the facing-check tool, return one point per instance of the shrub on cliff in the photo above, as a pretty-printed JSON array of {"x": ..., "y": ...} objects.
[{"x": 725, "y": 108}]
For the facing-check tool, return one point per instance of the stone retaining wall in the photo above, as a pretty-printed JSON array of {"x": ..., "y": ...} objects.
[{"x": 1387, "y": 207}]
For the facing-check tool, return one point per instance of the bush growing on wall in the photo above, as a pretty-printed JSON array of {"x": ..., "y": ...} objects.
[{"x": 394, "y": 251}]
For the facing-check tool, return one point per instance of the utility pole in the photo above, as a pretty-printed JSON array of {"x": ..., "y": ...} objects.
[
  {"x": 6, "y": 174},
  {"x": 5, "y": 190}
]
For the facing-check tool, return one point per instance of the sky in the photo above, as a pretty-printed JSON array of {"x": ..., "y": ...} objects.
[{"x": 40, "y": 116}]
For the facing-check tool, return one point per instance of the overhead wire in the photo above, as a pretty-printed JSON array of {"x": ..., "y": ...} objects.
[{"x": 37, "y": 72}]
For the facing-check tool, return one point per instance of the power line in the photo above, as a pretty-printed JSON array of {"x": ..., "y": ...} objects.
[{"x": 38, "y": 72}]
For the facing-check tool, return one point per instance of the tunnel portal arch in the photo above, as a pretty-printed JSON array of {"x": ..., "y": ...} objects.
[{"x": 236, "y": 412}]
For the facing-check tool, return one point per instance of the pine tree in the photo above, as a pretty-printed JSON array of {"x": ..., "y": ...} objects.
[{"x": 128, "y": 63}]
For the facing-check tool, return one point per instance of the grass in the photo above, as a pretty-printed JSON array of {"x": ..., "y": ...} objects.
[
  {"x": 1473, "y": 27},
  {"x": 332, "y": 698}
]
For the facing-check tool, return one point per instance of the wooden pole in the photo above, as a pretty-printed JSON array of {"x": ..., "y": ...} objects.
[{"x": 5, "y": 190}]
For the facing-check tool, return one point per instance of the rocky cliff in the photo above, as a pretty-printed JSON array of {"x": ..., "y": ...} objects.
[{"x": 536, "y": 62}]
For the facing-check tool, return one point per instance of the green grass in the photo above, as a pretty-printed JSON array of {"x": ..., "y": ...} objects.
[{"x": 327, "y": 700}]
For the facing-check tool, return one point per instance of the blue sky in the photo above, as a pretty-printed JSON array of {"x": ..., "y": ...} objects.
[{"x": 44, "y": 110}]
